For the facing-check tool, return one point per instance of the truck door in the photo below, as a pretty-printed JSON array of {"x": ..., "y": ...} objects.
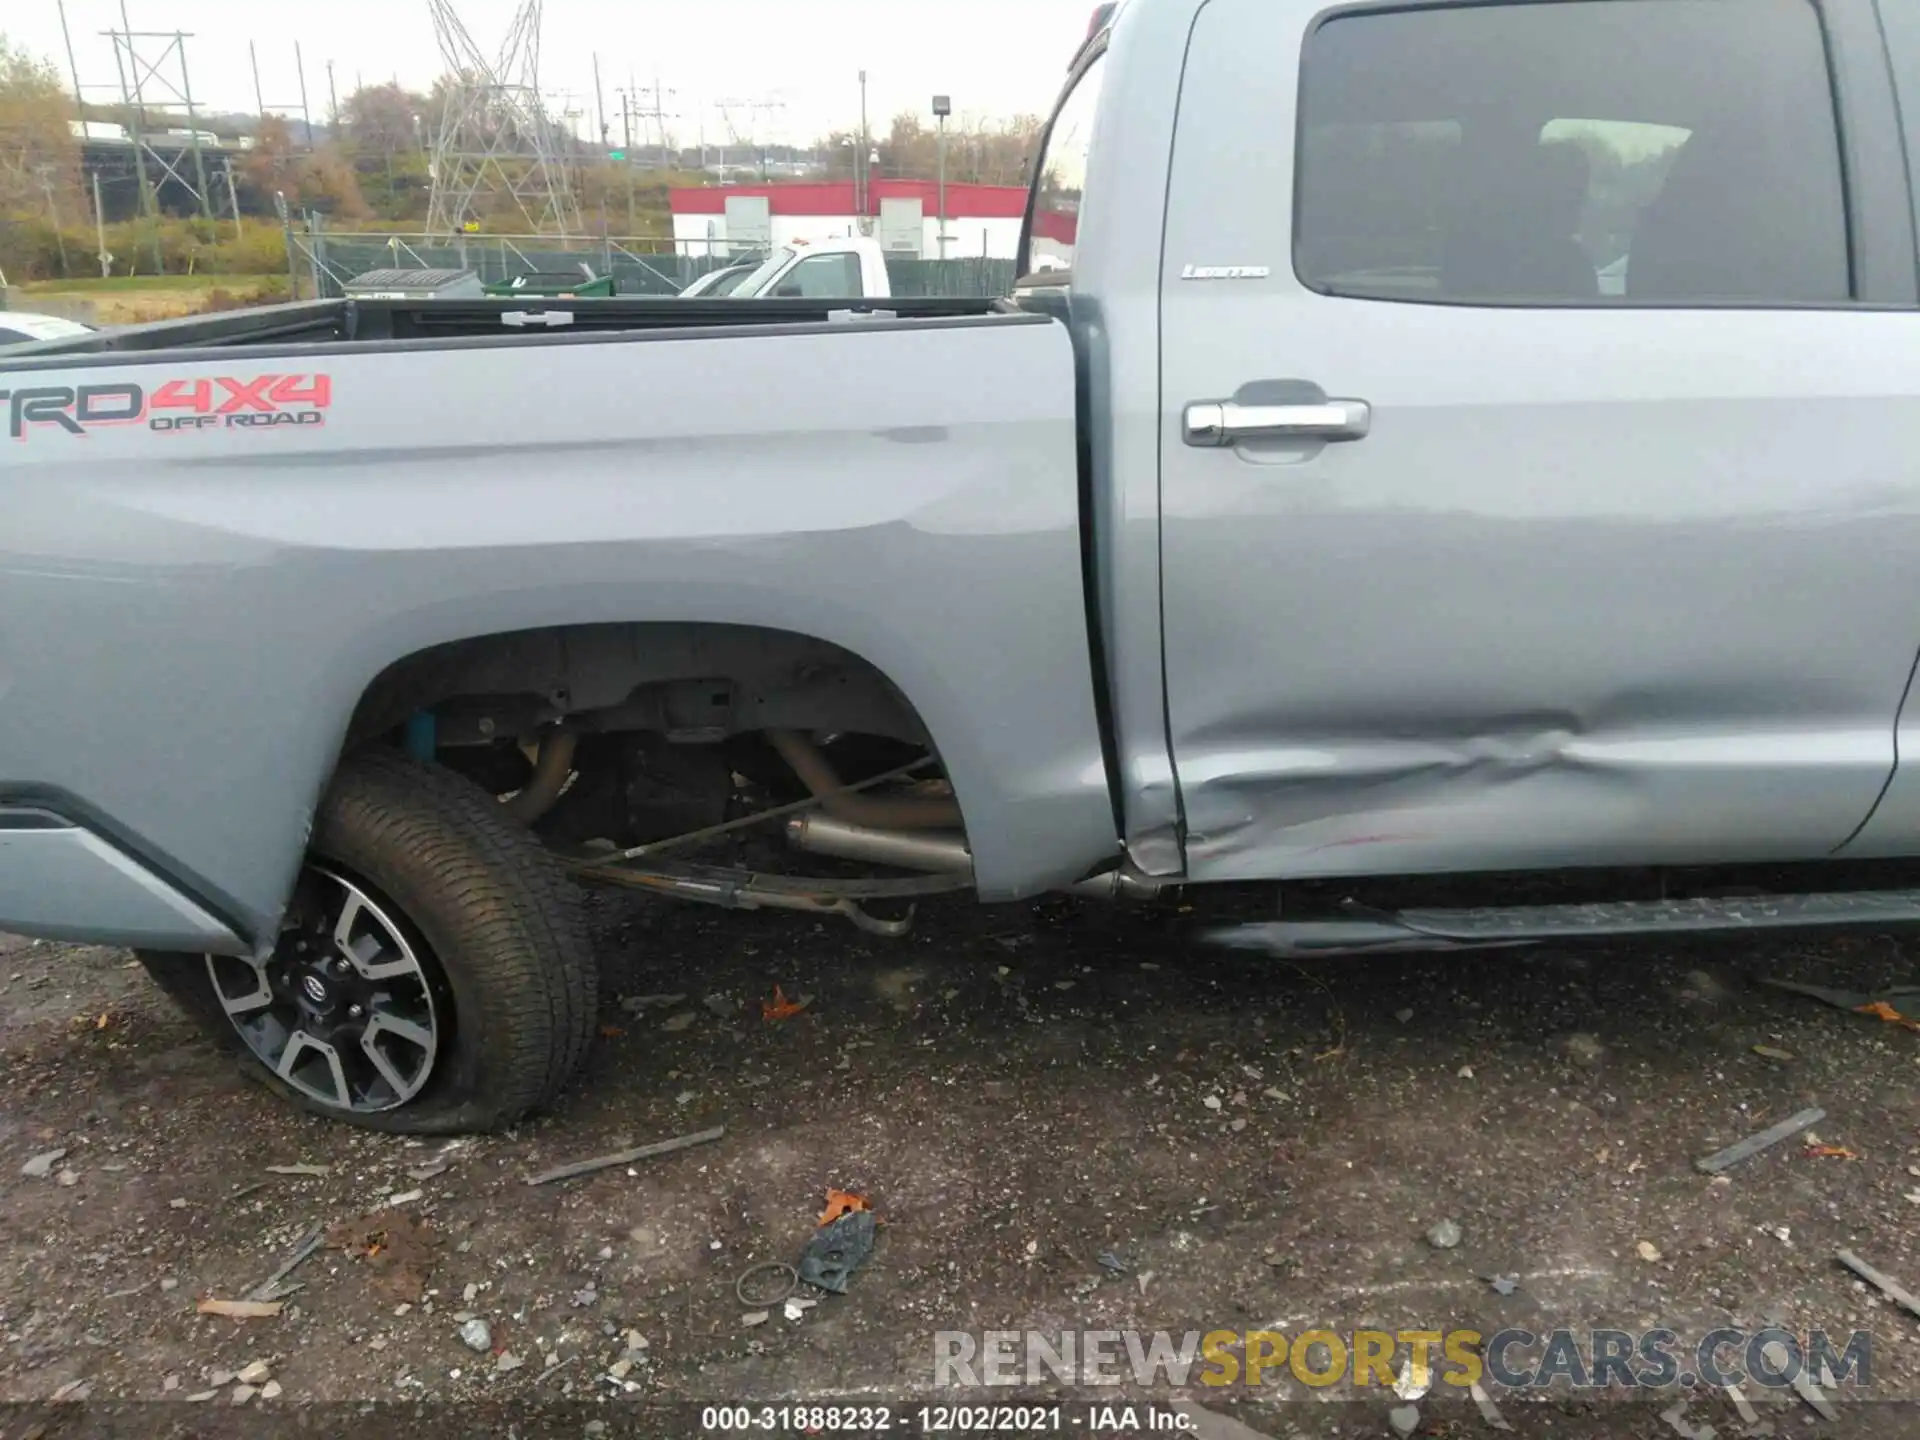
[{"x": 1540, "y": 411}]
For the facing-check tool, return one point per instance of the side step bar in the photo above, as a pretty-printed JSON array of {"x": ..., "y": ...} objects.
[{"x": 1366, "y": 930}]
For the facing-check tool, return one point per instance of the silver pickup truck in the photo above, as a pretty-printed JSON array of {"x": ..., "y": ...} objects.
[{"x": 1430, "y": 438}]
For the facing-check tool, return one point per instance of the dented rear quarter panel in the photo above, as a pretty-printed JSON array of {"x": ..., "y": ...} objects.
[{"x": 188, "y": 618}]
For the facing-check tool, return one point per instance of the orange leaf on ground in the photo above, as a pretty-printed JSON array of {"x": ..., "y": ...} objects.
[
  {"x": 1881, "y": 1010},
  {"x": 842, "y": 1202},
  {"x": 779, "y": 1008},
  {"x": 611, "y": 1032},
  {"x": 1830, "y": 1152}
]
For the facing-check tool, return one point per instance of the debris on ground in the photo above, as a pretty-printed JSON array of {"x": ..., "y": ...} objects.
[
  {"x": 255, "y": 1372},
  {"x": 397, "y": 1247},
  {"x": 841, "y": 1202},
  {"x": 784, "y": 1280},
  {"x": 755, "y": 1317},
  {"x": 408, "y": 1197},
  {"x": 1781, "y": 1361},
  {"x": 316, "y": 1172},
  {"x": 1884, "y": 1006},
  {"x": 1503, "y": 1284},
  {"x": 1881, "y": 1281},
  {"x": 305, "y": 1247},
  {"x": 1107, "y": 1260},
  {"x": 725, "y": 1007},
  {"x": 41, "y": 1166},
  {"x": 781, "y": 1008},
  {"x": 1444, "y": 1235},
  {"x": 634, "y": 1004},
  {"x": 1880, "y": 1010},
  {"x": 1584, "y": 1049},
  {"x": 1489, "y": 1411},
  {"x": 477, "y": 1336},
  {"x": 1405, "y": 1419},
  {"x": 798, "y": 1305},
  {"x": 1408, "y": 1386},
  {"x": 1754, "y": 1144},
  {"x": 674, "y": 1024},
  {"x": 1830, "y": 1152},
  {"x": 241, "y": 1309},
  {"x": 1649, "y": 1252},
  {"x": 1676, "y": 1417},
  {"x": 1748, "y": 1415},
  {"x": 835, "y": 1251},
  {"x": 627, "y": 1157},
  {"x": 271, "y": 1390},
  {"x": 1772, "y": 1052}
]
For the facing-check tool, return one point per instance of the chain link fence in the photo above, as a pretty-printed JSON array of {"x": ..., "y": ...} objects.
[{"x": 330, "y": 260}]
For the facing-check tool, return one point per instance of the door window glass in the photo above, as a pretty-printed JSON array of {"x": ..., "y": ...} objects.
[{"x": 1661, "y": 151}]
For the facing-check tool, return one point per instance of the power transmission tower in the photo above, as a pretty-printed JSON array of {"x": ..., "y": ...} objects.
[
  {"x": 757, "y": 110},
  {"x": 146, "y": 70},
  {"x": 496, "y": 139},
  {"x": 656, "y": 111}
]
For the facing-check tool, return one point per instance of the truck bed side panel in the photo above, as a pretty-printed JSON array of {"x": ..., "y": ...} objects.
[{"x": 188, "y": 616}]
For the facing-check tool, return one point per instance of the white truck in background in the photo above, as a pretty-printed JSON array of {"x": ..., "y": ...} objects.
[{"x": 848, "y": 267}]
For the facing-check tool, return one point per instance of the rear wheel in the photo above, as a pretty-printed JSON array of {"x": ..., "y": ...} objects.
[{"x": 433, "y": 973}]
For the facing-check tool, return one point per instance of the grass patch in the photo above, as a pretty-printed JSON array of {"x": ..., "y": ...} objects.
[{"x": 117, "y": 284}]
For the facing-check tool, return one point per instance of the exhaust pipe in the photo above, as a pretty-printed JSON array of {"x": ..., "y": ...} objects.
[
  {"x": 934, "y": 852},
  {"x": 881, "y": 812}
]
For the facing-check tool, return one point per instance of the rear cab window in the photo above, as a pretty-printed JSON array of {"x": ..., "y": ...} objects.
[
  {"x": 1060, "y": 176},
  {"x": 1595, "y": 152}
]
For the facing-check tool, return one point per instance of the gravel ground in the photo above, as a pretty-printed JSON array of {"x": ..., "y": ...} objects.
[{"x": 1016, "y": 1090}]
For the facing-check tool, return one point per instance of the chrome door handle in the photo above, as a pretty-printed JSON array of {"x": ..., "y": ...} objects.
[{"x": 1227, "y": 422}]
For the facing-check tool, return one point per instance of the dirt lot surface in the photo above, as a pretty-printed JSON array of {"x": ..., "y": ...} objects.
[{"x": 1018, "y": 1091}]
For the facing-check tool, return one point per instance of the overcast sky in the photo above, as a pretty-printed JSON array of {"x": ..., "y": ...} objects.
[{"x": 997, "y": 58}]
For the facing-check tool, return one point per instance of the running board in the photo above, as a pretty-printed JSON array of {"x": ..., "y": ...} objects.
[{"x": 1363, "y": 930}]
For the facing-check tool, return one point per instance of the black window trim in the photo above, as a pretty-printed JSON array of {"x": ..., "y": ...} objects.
[
  {"x": 1900, "y": 41},
  {"x": 1883, "y": 206},
  {"x": 1090, "y": 56}
]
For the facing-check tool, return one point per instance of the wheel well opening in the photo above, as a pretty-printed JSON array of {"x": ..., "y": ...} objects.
[{"x": 661, "y": 713}]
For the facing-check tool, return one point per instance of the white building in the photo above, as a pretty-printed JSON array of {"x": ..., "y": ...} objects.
[{"x": 903, "y": 215}]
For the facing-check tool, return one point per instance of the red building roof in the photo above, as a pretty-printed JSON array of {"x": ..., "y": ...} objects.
[{"x": 836, "y": 197}]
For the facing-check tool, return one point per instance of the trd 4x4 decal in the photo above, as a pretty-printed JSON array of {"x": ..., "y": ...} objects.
[{"x": 220, "y": 403}]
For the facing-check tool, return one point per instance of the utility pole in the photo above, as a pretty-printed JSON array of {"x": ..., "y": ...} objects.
[
  {"x": 233, "y": 198},
  {"x": 862, "y": 179},
  {"x": 626, "y": 123},
  {"x": 333, "y": 105},
  {"x": 943, "y": 107},
  {"x": 306, "y": 115},
  {"x": 599, "y": 101},
  {"x": 73, "y": 68},
  {"x": 259, "y": 101},
  {"x": 100, "y": 231},
  {"x": 45, "y": 172},
  {"x": 193, "y": 128}
]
